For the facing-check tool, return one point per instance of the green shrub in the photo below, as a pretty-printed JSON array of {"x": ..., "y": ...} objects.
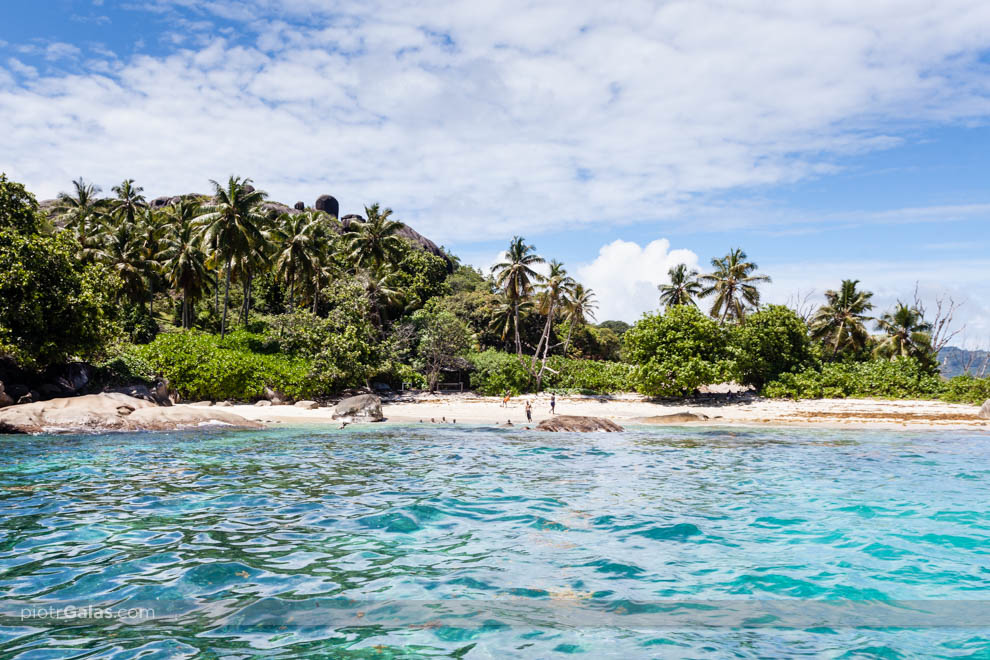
[
  {"x": 677, "y": 352},
  {"x": 966, "y": 389},
  {"x": 124, "y": 368},
  {"x": 771, "y": 342},
  {"x": 203, "y": 366},
  {"x": 589, "y": 376},
  {"x": 495, "y": 372},
  {"x": 900, "y": 378}
]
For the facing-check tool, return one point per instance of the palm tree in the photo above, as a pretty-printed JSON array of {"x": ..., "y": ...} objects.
[
  {"x": 381, "y": 292},
  {"x": 733, "y": 286},
  {"x": 122, "y": 250},
  {"x": 154, "y": 225},
  {"x": 182, "y": 257},
  {"x": 231, "y": 227},
  {"x": 129, "y": 201},
  {"x": 683, "y": 288},
  {"x": 840, "y": 322},
  {"x": 505, "y": 314},
  {"x": 555, "y": 286},
  {"x": 80, "y": 208},
  {"x": 298, "y": 240},
  {"x": 516, "y": 277},
  {"x": 908, "y": 334},
  {"x": 374, "y": 241},
  {"x": 579, "y": 306}
]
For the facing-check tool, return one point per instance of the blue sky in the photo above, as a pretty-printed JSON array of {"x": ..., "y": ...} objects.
[{"x": 846, "y": 140}]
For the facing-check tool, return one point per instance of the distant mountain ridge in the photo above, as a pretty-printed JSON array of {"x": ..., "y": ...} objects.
[{"x": 954, "y": 361}]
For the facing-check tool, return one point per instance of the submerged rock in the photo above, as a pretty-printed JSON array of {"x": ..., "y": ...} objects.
[
  {"x": 360, "y": 408},
  {"x": 674, "y": 418},
  {"x": 578, "y": 424},
  {"x": 985, "y": 410},
  {"x": 109, "y": 412}
]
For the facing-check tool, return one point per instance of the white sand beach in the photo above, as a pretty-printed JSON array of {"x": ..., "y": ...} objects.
[{"x": 625, "y": 409}]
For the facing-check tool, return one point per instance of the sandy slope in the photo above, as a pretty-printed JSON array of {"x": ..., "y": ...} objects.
[{"x": 471, "y": 409}]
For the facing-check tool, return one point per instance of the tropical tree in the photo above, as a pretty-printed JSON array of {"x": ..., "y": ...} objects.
[
  {"x": 128, "y": 203},
  {"x": 79, "y": 209},
  {"x": 380, "y": 291},
  {"x": 733, "y": 285},
  {"x": 298, "y": 241},
  {"x": 684, "y": 287},
  {"x": 840, "y": 323},
  {"x": 375, "y": 241},
  {"x": 907, "y": 333},
  {"x": 122, "y": 249},
  {"x": 231, "y": 227},
  {"x": 182, "y": 258},
  {"x": 516, "y": 277},
  {"x": 579, "y": 307},
  {"x": 553, "y": 289}
]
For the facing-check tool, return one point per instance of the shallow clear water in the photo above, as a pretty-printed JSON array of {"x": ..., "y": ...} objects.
[{"x": 294, "y": 543}]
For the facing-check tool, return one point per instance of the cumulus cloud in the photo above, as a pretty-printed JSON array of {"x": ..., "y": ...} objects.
[
  {"x": 479, "y": 120},
  {"x": 625, "y": 276}
]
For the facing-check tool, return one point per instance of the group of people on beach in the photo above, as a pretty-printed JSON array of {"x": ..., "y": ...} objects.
[{"x": 529, "y": 405}]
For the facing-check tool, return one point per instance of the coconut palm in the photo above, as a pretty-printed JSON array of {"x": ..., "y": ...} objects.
[
  {"x": 907, "y": 333},
  {"x": 684, "y": 287},
  {"x": 231, "y": 227},
  {"x": 298, "y": 241},
  {"x": 78, "y": 210},
  {"x": 516, "y": 277},
  {"x": 579, "y": 306},
  {"x": 182, "y": 258},
  {"x": 375, "y": 241},
  {"x": 122, "y": 249},
  {"x": 733, "y": 285},
  {"x": 553, "y": 289},
  {"x": 128, "y": 203},
  {"x": 841, "y": 322},
  {"x": 380, "y": 289}
]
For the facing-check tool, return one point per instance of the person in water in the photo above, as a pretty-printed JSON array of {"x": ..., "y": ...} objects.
[
  {"x": 529, "y": 412},
  {"x": 553, "y": 403}
]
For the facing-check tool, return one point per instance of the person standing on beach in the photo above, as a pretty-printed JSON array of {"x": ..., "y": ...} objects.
[
  {"x": 529, "y": 412},
  {"x": 553, "y": 403},
  {"x": 505, "y": 399}
]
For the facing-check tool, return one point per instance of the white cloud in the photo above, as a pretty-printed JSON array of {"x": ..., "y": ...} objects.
[
  {"x": 480, "y": 120},
  {"x": 625, "y": 276}
]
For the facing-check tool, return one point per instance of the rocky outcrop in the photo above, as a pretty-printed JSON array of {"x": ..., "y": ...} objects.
[
  {"x": 674, "y": 418},
  {"x": 307, "y": 405},
  {"x": 299, "y": 206},
  {"x": 156, "y": 394},
  {"x": 277, "y": 398},
  {"x": 360, "y": 408},
  {"x": 578, "y": 424},
  {"x": 985, "y": 410},
  {"x": 328, "y": 204},
  {"x": 5, "y": 399},
  {"x": 110, "y": 412}
]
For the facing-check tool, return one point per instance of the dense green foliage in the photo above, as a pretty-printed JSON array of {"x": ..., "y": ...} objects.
[
  {"x": 52, "y": 308},
  {"x": 202, "y": 366},
  {"x": 898, "y": 378},
  {"x": 771, "y": 342},
  {"x": 677, "y": 352}
]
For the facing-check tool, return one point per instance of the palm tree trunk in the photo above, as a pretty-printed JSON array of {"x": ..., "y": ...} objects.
[
  {"x": 570, "y": 329},
  {"x": 226, "y": 302},
  {"x": 515, "y": 327}
]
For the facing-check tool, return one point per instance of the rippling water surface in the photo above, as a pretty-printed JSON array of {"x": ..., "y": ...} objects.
[{"x": 308, "y": 542}]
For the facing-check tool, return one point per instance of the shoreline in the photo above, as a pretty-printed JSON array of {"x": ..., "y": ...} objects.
[{"x": 628, "y": 409}]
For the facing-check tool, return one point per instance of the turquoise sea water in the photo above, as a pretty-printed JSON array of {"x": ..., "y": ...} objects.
[{"x": 480, "y": 543}]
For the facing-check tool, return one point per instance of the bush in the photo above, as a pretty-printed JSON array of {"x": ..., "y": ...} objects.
[
  {"x": 139, "y": 324},
  {"x": 203, "y": 366},
  {"x": 966, "y": 389},
  {"x": 51, "y": 308},
  {"x": 677, "y": 352},
  {"x": 495, "y": 372},
  {"x": 771, "y": 342},
  {"x": 901, "y": 378},
  {"x": 589, "y": 376}
]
